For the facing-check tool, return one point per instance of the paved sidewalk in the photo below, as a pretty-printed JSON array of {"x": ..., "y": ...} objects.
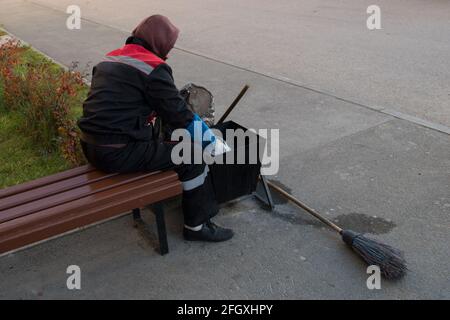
[
  {"x": 317, "y": 43},
  {"x": 368, "y": 170}
]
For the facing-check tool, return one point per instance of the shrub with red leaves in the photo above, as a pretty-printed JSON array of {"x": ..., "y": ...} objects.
[
  {"x": 12, "y": 80},
  {"x": 45, "y": 95}
]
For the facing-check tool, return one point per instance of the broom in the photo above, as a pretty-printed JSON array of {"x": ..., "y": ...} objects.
[{"x": 390, "y": 260}]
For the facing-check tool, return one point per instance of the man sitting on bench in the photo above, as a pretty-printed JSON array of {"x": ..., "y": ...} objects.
[{"x": 129, "y": 88}]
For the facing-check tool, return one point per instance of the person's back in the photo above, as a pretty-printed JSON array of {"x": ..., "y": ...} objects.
[
  {"x": 131, "y": 86},
  {"x": 127, "y": 87},
  {"x": 116, "y": 108}
]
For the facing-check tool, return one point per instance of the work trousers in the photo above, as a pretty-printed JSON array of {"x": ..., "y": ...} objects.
[{"x": 199, "y": 201}]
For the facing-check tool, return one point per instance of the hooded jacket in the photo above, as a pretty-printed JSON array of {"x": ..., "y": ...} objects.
[
  {"x": 130, "y": 85},
  {"x": 158, "y": 33}
]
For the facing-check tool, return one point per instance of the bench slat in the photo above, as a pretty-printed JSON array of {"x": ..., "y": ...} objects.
[
  {"x": 104, "y": 200},
  {"x": 23, "y": 231},
  {"x": 53, "y": 188},
  {"x": 45, "y": 180},
  {"x": 111, "y": 184}
]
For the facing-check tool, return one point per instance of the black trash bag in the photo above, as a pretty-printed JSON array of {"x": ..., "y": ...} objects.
[{"x": 233, "y": 180}]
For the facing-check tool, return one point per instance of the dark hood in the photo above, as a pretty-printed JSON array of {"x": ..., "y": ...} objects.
[{"x": 158, "y": 33}]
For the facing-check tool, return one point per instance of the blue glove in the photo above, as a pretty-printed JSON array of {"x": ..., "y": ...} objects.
[{"x": 200, "y": 132}]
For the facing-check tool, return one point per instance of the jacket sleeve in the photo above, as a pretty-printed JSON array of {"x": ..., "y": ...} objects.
[{"x": 166, "y": 99}]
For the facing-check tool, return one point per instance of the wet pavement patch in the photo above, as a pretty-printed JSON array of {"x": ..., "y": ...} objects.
[
  {"x": 364, "y": 223},
  {"x": 358, "y": 222},
  {"x": 355, "y": 221},
  {"x": 294, "y": 216},
  {"x": 297, "y": 219}
]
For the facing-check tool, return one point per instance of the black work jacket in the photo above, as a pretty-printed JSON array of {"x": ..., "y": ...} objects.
[{"x": 128, "y": 88}]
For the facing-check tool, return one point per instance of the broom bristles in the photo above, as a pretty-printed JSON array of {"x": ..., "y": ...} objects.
[{"x": 390, "y": 260}]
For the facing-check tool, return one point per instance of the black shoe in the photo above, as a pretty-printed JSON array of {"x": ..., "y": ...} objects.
[{"x": 210, "y": 232}]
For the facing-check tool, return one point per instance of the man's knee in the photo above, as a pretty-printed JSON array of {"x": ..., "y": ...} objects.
[{"x": 192, "y": 175}]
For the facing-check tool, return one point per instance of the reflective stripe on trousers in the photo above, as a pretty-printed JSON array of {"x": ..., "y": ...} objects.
[{"x": 195, "y": 182}]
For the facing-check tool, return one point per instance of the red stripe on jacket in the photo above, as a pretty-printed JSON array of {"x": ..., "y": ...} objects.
[{"x": 139, "y": 53}]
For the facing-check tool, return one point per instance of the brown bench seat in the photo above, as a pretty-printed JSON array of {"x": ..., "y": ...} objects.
[{"x": 53, "y": 205}]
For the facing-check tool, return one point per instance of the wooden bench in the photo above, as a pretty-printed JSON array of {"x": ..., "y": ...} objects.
[{"x": 56, "y": 204}]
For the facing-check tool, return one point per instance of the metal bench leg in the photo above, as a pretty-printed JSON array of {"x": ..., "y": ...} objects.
[
  {"x": 137, "y": 214},
  {"x": 158, "y": 210}
]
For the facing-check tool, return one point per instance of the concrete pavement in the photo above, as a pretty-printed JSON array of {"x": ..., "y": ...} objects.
[
  {"x": 366, "y": 169},
  {"x": 319, "y": 44}
]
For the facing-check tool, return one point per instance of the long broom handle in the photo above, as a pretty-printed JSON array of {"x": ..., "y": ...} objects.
[
  {"x": 305, "y": 207},
  {"x": 233, "y": 104}
]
